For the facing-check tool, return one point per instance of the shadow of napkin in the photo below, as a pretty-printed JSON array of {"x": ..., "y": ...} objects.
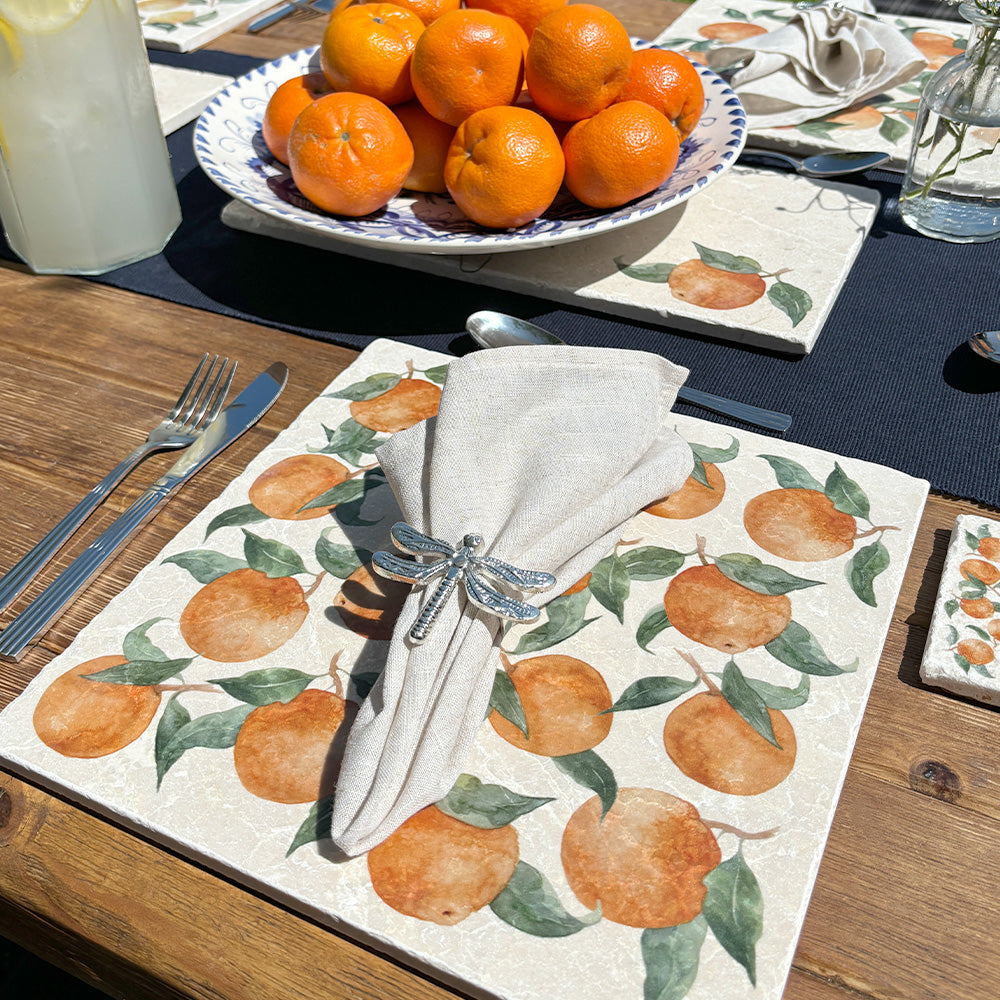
[
  {"x": 547, "y": 452},
  {"x": 825, "y": 58}
]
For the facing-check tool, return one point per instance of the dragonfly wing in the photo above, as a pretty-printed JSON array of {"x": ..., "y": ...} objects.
[
  {"x": 405, "y": 570},
  {"x": 525, "y": 579},
  {"x": 416, "y": 542},
  {"x": 485, "y": 597}
]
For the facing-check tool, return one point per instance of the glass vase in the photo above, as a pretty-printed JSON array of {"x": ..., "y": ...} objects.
[
  {"x": 85, "y": 180},
  {"x": 951, "y": 188}
]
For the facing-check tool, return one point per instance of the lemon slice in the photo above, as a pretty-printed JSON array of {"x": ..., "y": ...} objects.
[
  {"x": 10, "y": 49},
  {"x": 41, "y": 16}
]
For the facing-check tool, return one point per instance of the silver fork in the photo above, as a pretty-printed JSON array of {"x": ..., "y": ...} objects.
[{"x": 196, "y": 407}]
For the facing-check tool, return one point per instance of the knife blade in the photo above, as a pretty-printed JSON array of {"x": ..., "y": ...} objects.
[
  {"x": 241, "y": 414},
  {"x": 273, "y": 16}
]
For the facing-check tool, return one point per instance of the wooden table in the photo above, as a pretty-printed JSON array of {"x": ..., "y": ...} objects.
[{"x": 905, "y": 903}]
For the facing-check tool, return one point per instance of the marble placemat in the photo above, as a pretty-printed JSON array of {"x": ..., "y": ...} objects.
[
  {"x": 715, "y": 745},
  {"x": 961, "y": 650},
  {"x": 699, "y": 267},
  {"x": 182, "y": 94},
  {"x": 183, "y": 25},
  {"x": 884, "y": 123}
]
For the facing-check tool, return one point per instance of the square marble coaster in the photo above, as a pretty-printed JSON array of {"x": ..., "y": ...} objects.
[
  {"x": 961, "y": 650},
  {"x": 804, "y": 240},
  {"x": 201, "y": 748},
  {"x": 182, "y": 94},
  {"x": 182, "y": 25},
  {"x": 883, "y": 123}
]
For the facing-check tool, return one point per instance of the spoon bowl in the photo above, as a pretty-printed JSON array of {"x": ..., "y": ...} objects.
[
  {"x": 822, "y": 164},
  {"x": 986, "y": 345},
  {"x": 493, "y": 329}
]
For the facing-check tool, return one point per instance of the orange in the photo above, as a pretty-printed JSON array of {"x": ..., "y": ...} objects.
[
  {"x": 975, "y": 651},
  {"x": 700, "y": 284},
  {"x": 282, "y": 490},
  {"x": 90, "y": 718},
  {"x": 979, "y": 569},
  {"x": 693, "y": 498},
  {"x": 989, "y": 547},
  {"x": 426, "y": 10},
  {"x": 370, "y": 604},
  {"x": 623, "y": 152},
  {"x": 431, "y": 139},
  {"x": 367, "y": 49},
  {"x": 644, "y": 861},
  {"x": 731, "y": 31},
  {"x": 799, "y": 524},
  {"x": 504, "y": 167},
  {"x": 349, "y": 154},
  {"x": 284, "y": 106},
  {"x": 668, "y": 82},
  {"x": 465, "y": 61},
  {"x": 527, "y": 13},
  {"x": 407, "y": 403},
  {"x": 578, "y": 60}
]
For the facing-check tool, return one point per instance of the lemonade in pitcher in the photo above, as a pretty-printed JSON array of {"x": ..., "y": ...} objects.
[{"x": 85, "y": 182}]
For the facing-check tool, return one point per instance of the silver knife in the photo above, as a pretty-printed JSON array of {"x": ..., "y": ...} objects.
[
  {"x": 242, "y": 413},
  {"x": 273, "y": 16}
]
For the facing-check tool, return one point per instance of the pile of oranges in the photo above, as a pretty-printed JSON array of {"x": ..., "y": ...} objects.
[{"x": 497, "y": 103}]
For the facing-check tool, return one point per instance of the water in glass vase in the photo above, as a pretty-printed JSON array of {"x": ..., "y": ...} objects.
[{"x": 85, "y": 181}]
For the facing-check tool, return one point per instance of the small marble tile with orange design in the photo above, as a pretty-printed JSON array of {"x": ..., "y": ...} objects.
[{"x": 962, "y": 652}]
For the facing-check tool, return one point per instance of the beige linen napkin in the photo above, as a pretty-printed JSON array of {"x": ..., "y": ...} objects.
[
  {"x": 826, "y": 58},
  {"x": 547, "y": 452}
]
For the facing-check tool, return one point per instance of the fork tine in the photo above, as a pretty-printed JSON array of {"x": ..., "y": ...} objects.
[
  {"x": 182, "y": 399},
  {"x": 186, "y": 417},
  {"x": 211, "y": 395},
  {"x": 220, "y": 397}
]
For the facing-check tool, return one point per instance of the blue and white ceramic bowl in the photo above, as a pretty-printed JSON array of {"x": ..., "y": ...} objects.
[{"x": 230, "y": 148}]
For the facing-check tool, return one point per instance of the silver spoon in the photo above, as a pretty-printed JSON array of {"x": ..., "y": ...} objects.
[
  {"x": 986, "y": 345},
  {"x": 493, "y": 329},
  {"x": 822, "y": 164}
]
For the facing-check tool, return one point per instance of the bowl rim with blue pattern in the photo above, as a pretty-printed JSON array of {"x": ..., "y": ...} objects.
[{"x": 230, "y": 149}]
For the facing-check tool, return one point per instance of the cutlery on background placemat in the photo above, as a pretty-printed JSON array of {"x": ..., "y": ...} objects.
[
  {"x": 242, "y": 413},
  {"x": 196, "y": 407},
  {"x": 493, "y": 329},
  {"x": 275, "y": 15}
]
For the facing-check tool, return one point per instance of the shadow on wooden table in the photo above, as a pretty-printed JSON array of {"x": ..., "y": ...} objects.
[{"x": 24, "y": 975}]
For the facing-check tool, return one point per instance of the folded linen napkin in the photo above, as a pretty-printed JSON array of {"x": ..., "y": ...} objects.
[
  {"x": 547, "y": 452},
  {"x": 825, "y": 58}
]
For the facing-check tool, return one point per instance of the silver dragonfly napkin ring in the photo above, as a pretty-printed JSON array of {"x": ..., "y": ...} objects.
[{"x": 462, "y": 565}]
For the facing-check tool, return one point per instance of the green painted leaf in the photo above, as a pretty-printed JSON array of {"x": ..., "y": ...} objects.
[
  {"x": 951, "y": 606},
  {"x": 670, "y": 956},
  {"x": 655, "y": 273},
  {"x": 734, "y": 910},
  {"x": 350, "y": 441},
  {"x": 564, "y": 616},
  {"x": 345, "y": 492},
  {"x": 819, "y": 129},
  {"x": 530, "y": 904},
  {"x": 845, "y": 494},
  {"x": 716, "y": 456},
  {"x": 971, "y": 541},
  {"x": 364, "y": 681},
  {"x": 504, "y": 698},
  {"x": 797, "y": 648},
  {"x": 724, "y": 261},
  {"x": 751, "y": 573},
  {"x": 652, "y": 562},
  {"x": 437, "y": 375},
  {"x": 775, "y": 696},
  {"x": 215, "y": 731},
  {"x": 893, "y": 129},
  {"x": 972, "y": 589},
  {"x": 271, "y": 557},
  {"x": 653, "y": 623},
  {"x": 487, "y": 806},
  {"x": 735, "y": 15},
  {"x": 647, "y": 692},
  {"x": 610, "y": 584},
  {"x": 315, "y": 827},
  {"x": 235, "y": 517},
  {"x": 864, "y": 566},
  {"x": 951, "y": 635},
  {"x": 374, "y": 385},
  {"x": 338, "y": 559},
  {"x": 174, "y": 718},
  {"x": 590, "y": 771},
  {"x": 205, "y": 565},
  {"x": 136, "y": 646},
  {"x": 262, "y": 687},
  {"x": 794, "y": 302},
  {"x": 746, "y": 702},
  {"x": 699, "y": 473},
  {"x": 143, "y": 673},
  {"x": 791, "y": 475}
]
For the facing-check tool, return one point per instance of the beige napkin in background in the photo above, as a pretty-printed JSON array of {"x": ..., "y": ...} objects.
[
  {"x": 547, "y": 452},
  {"x": 824, "y": 59}
]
